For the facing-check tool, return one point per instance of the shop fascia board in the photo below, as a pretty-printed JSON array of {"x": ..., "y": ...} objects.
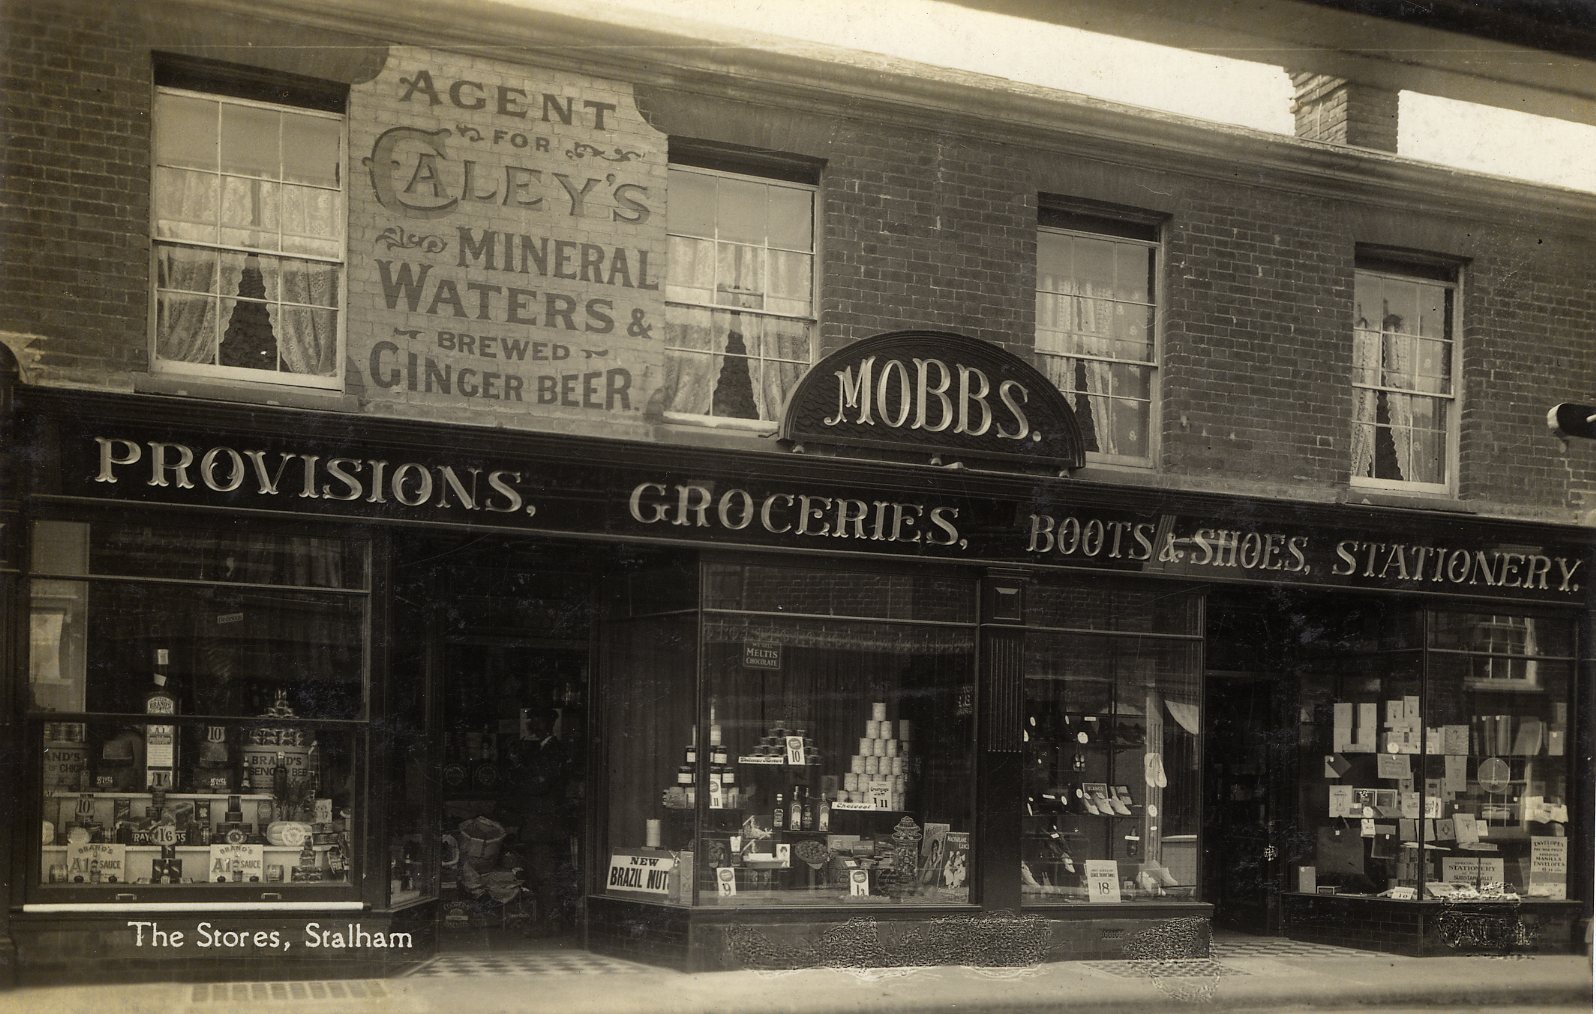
[
  {"x": 444, "y": 440},
  {"x": 937, "y": 100}
]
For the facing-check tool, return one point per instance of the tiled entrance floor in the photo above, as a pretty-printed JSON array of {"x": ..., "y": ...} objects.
[
  {"x": 1229, "y": 944},
  {"x": 531, "y": 962}
]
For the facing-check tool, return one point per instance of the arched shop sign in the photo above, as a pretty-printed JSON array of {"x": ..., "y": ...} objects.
[{"x": 933, "y": 395}]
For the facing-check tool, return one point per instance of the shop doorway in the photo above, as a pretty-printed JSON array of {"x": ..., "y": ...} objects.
[
  {"x": 503, "y": 638},
  {"x": 1245, "y": 807},
  {"x": 1250, "y": 757},
  {"x": 513, "y": 751}
]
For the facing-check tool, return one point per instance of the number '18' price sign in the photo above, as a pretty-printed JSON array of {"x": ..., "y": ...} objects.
[{"x": 1102, "y": 881}]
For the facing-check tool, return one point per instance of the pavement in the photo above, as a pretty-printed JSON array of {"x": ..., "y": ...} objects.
[{"x": 1244, "y": 974}]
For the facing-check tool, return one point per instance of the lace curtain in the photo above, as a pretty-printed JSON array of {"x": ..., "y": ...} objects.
[
  {"x": 1088, "y": 319},
  {"x": 188, "y": 212},
  {"x": 1394, "y": 359},
  {"x": 733, "y": 365}
]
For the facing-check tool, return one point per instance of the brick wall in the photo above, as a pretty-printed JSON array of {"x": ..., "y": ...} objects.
[
  {"x": 926, "y": 224},
  {"x": 74, "y": 191}
]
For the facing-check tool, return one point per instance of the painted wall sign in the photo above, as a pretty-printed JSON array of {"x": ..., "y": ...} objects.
[
  {"x": 506, "y": 245},
  {"x": 933, "y": 394},
  {"x": 794, "y": 504}
]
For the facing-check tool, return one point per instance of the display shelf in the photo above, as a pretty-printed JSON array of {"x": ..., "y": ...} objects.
[
  {"x": 117, "y": 794},
  {"x": 46, "y": 850}
]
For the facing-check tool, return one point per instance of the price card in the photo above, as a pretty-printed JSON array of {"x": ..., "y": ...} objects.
[
  {"x": 726, "y": 882},
  {"x": 795, "y": 750},
  {"x": 880, "y": 795},
  {"x": 859, "y": 883},
  {"x": 1404, "y": 894},
  {"x": 1102, "y": 881}
]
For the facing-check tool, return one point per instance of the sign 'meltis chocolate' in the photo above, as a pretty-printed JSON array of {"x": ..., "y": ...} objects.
[{"x": 937, "y": 395}]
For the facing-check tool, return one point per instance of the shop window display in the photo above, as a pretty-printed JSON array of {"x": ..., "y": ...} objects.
[
  {"x": 197, "y": 714},
  {"x": 829, "y": 761},
  {"x": 1442, "y": 742},
  {"x": 1112, "y": 727}
]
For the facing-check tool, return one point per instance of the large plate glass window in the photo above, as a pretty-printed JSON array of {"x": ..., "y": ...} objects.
[
  {"x": 1097, "y": 329},
  {"x": 1112, "y": 742},
  {"x": 196, "y": 712},
  {"x": 1404, "y": 370},
  {"x": 741, "y": 293},
  {"x": 248, "y": 210},
  {"x": 839, "y": 702}
]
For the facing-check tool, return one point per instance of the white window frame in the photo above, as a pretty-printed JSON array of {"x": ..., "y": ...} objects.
[
  {"x": 242, "y": 375},
  {"x": 812, "y": 318},
  {"x": 1155, "y": 364},
  {"x": 1454, "y": 400}
]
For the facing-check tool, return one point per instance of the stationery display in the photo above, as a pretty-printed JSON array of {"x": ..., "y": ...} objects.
[{"x": 1474, "y": 772}]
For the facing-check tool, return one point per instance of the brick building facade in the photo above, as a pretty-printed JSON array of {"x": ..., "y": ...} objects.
[{"x": 933, "y": 194}]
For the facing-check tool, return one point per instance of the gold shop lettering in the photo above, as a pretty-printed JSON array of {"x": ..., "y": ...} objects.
[
  {"x": 1442, "y": 565},
  {"x": 696, "y": 506},
  {"x": 928, "y": 396},
  {"x": 310, "y": 476}
]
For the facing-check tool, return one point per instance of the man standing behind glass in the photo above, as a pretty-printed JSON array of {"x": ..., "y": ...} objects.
[{"x": 542, "y": 767}]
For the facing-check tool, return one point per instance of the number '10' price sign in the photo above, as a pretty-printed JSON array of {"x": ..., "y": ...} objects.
[{"x": 1102, "y": 881}]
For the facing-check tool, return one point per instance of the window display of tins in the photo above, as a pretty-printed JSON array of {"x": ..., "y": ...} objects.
[{"x": 289, "y": 747}]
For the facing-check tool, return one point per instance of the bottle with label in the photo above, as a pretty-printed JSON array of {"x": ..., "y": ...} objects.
[
  {"x": 823, "y": 814},
  {"x": 94, "y": 870},
  {"x": 160, "y": 741},
  {"x": 728, "y": 786},
  {"x": 779, "y": 817},
  {"x": 795, "y": 816},
  {"x": 280, "y": 777}
]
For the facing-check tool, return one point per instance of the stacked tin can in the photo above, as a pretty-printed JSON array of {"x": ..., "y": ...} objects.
[{"x": 882, "y": 760}]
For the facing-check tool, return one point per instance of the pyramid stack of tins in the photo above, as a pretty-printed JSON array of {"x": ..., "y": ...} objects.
[
  {"x": 878, "y": 775},
  {"x": 296, "y": 743}
]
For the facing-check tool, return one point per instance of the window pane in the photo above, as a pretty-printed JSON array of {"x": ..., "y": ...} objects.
[
  {"x": 1052, "y": 261},
  {"x": 690, "y": 328},
  {"x": 248, "y": 341},
  {"x": 1401, "y": 307},
  {"x": 1112, "y": 727},
  {"x": 312, "y": 150},
  {"x": 1368, "y": 310},
  {"x": 185, "y": 131},
  {"x": 108, "y": 829},
  {"x": 873, "y": 780},
  {"x": 249, "y": 141},
  {"x": 740, "y": 276},
  {"x": 249, "y": 213},
  {"x": 1429, "y": 461},
  {"x": 185, "y": 328},
  {"x": 309, "y": 340},
  {"x": 311, "y": 282},
  {"x": 1130, "y": 424},
  {"x": 187, "y": 268},
  {"x": 185, "y": 205},
  {"x": 791, "y": 279},
  {"x": 689, "y": 382},
  {"x": 1133, "y": 326},
  {"x": 741, "y": 210},
  {"x": 1131, "y": 272},
  {"x": 1094, "y": 268},
  {"x": 1052, "y": 311},
  {"x": 310, "y": 220},
  {"x": 692, "y": 271},
  {"x": 692, "y": 204},
  {"x": 792, "y": 218}
]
